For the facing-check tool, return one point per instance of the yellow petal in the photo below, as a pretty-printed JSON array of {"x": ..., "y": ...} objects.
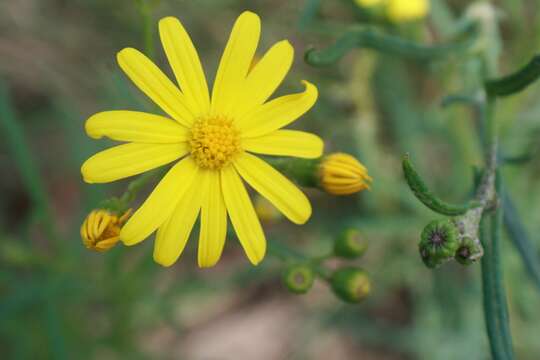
[
  {"x": 242, "y": 215},
  {"x": 127, "y": 160},
  {"x": 267, "y": 74},
  {"x": 185, "y": 63},
  {"x": 275, "y": 187},
  {"x": 235, "y": 63},
  {"x": 173, "y": 235},
  {"x": 286, "y": 143},
  {"x": 277, "y": 113},
  {"x": 161, "y": 202},
  {"x": 213, "y": 220},
  {"x": 156, "y": 85},
  {"x": 135, "y": 126}
]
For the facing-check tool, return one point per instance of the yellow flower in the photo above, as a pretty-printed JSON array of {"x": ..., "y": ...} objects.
[
  {"x": 100, "y": 230},
  {"x": 212, "y": 139},
  {"x": 342, "y": 174},
  {"x": 407, "y": 10}
]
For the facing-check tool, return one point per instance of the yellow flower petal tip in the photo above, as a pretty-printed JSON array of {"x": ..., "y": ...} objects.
[
  {"x": 343, "y": 174},
  {"x": 210, "y": 137},
  {"x": 249, "y": 16},
  {"x": 100, "y": 230}
]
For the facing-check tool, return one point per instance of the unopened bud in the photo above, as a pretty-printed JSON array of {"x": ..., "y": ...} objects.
[
  {"x": 343, "y": 174},
  {"x": 350, "y": 244},
  {"x": 298, "y": 278},
  {"x": 468, "y": 251},
  {"x": 350, "y": 284},
  {"x": 439, "y": 242},
  {"x": 100, "y": 230}
]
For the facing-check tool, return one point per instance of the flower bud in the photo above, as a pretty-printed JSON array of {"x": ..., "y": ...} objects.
[
  {"x": 350, "y": 244},
  {"x": 350, "y": 284},
  {"x": 100, "y": 230},
  {"x": 298, "y": 278},
  {"x": 439, "y": 242},
  {"x": 400, "y": 11},
  {"x": 468, "y": 251},
  {"x": 342, "y": 174}
]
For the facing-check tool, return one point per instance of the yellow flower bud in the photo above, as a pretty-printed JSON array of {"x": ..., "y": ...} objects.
[
  {"x": 399, "y": 11},
  {"x": 100, "y": 230},
  {"x": 342, "y": 174},
  {"x": 369, "y": 3}
]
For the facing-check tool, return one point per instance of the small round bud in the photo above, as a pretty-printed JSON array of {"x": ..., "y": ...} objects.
[
  {"x": 350, "y": 244},
  {"x": 350, "y": 284},
  {"x": 468, "y": 251},
  {"x": 439, "y": 242},
  {"x": 100, "y": 230},
  {"x": 342, "y": 174},
  {"x": 298, "y": 278}
]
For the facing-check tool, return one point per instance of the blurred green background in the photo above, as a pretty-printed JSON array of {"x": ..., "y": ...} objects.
[{"x": 61, "y": 301}]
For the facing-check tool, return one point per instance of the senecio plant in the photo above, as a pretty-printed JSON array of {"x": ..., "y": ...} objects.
[{"x": 215, "y": 141}]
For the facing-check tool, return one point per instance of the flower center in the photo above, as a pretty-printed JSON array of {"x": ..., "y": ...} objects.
[{"x": 214, "y": 142}]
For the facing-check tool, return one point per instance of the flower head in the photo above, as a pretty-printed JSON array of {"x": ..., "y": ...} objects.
[
  {"x": 100, "y": 230},
  {"x": 439, "y": 242},
  {"x": 342, "y": 174},
  {"x": 212, "y": 140}
]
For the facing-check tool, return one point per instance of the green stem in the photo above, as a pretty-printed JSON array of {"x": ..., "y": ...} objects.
[
  {"x": 389, "y": 44},
  {"x": 495, "y": 307},
  {"x": 122, "y": 204},
  {"x": 14, "y": 137},
  {"x": 286, "y": 254},
  {"x": 145, "y": 9}
]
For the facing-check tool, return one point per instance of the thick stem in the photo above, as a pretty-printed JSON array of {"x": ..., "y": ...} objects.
[{"x": 495, "y": 307}]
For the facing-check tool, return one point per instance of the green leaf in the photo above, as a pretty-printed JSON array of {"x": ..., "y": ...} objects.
[
  {"x": 422, "y": 193},
  {"x": 515, "y": 82},
  {"x": 520, "y": 238}
]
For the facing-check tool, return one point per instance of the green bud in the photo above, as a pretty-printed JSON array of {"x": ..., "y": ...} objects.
[
  {"x": 350, "y": 284},
  {"x": 439, "y": 242},
  {"x": 350, "y": 244},
  {"x": 468, "y": 252},
  {"x": 298, "y": 278}
]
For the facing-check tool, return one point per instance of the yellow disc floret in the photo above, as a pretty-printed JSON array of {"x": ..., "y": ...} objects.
[{"x": 214, "y": 142}]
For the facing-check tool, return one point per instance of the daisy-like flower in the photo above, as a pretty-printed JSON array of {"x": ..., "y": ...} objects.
[{"x": 212, "y": 140}]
